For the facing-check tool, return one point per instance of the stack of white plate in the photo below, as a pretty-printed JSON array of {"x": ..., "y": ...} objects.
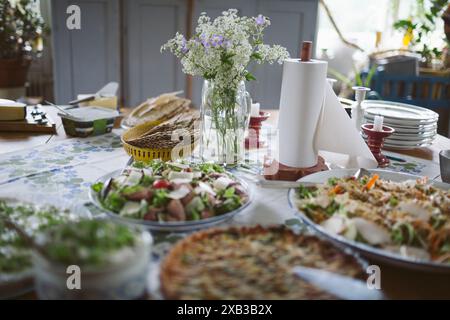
[{"x": 414, "y": 126}]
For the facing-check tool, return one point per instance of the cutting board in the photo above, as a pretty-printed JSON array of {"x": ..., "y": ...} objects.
[{"x": 36, "y": 121}]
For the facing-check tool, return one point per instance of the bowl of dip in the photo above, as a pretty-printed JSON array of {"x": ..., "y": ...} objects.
[{"x": 92, "y": 259}]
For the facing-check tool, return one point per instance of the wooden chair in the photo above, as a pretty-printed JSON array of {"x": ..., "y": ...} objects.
[{"x": 429, "y": 91}]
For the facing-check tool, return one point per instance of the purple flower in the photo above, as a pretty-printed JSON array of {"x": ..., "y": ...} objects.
[
  {"x": 260, "y": 20},
  {"x": 216, "y": 40},
  {"x": 184, "y": 47},
  {"x": 206, "y": 43}
]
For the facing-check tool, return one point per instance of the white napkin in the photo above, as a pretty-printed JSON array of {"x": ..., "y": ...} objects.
[{"x": 337, "y": 139}]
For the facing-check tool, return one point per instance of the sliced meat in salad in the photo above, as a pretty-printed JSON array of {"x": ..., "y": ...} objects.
[{"x": 171, "y": 191}]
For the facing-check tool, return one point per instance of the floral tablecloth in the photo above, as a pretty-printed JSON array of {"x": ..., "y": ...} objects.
[{"x": 61, "y": 173}]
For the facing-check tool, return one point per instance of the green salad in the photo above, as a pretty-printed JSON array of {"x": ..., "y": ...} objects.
[
  {"x": 15, "y": 256},
  {"x": 89, "y": 242},
  {"x": 171, "y": 191}
]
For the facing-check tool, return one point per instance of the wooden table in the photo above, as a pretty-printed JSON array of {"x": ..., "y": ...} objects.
[{"x": 397, "y": 283}]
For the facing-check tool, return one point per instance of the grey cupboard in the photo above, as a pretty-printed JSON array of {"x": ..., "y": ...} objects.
[
  {"x": 85, "y": 59},
  {"x": 120, "y": 41}
]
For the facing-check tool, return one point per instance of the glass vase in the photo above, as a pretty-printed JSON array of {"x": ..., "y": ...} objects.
[{"x": 225, "y": 114}]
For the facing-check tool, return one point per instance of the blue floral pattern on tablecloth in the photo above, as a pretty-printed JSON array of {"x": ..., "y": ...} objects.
[
  {"x": 63, "y": 169},
  {"x": 413, "y": 165}
]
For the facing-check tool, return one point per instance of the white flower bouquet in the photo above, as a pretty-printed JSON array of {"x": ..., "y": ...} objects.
[{"x": 220, "y": 52}]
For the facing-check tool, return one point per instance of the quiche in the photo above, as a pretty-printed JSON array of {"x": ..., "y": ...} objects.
[{"x": 250, "y": 263}]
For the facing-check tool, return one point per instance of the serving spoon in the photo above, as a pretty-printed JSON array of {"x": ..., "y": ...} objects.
[
  {"x": 27, "y": 238},
  {"x": 107, "y": 185},
  {"x": 341, "y": 286},
  {"x": 277, "y": 184}
]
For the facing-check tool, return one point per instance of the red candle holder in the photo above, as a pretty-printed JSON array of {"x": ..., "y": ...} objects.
[
  {"x": 375, "y": 141},
  {"x": 254, "y": 129}
]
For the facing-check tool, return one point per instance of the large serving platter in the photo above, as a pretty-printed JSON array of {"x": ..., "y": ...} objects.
[
  {"x": 408, "y": 142},
  {"x": 399, "y": 111},
  {"x": 407, "y": 147},
  {"x": 184, "y": 226},
  {"x": 370, "y": 252},
  {"x": 405, "y": 139},
  {"x": 408, "y": 136},
  {"x": 405, "y": 123},
  {"x": 410, "y": 128}
]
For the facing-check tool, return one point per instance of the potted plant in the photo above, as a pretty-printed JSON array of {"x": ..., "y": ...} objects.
[
  {"x": 220, "y": 52},
  {"x": 418, "y": 28},
  {"x": 446, "y": 17},
  {"x": 21, "y": 30}
]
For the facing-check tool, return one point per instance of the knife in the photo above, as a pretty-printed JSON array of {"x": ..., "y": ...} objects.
[
  {"x": 107, "y": 91},
  {"x": 340, "y": 286},
  {"x": 279, "y": 184}
]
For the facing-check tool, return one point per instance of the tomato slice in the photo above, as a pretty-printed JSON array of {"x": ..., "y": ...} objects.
[{"x": 161, "y": 184}]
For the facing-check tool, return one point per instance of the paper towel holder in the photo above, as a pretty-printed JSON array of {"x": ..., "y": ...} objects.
[
  {"x": 274, "y": 170},
  {"x": 305, "y": 51}
]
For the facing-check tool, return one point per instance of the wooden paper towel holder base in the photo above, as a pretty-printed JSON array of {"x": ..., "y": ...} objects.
[{"x": 290, "y": 173}]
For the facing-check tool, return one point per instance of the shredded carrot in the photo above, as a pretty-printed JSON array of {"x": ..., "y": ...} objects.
[
  {"x": 337, "y": 189},
  {"x": 369, "y": 185}
]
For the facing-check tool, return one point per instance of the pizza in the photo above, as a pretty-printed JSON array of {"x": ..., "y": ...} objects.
[{"x": 250, "y": 263}]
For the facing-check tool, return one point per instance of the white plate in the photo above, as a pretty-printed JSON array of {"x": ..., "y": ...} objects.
[
  {"x": 417, "y": 139},
  {"x": 406, "y": 123},
  {"x": 405, "y": 126},
  {"x": 397, "y": 147},
  {"x": 368, "y": 251},
  {"x": 414, "y": 136},
  {"x": 407, "y": 143},
  {"x": 401, "y": 141},
  {"x": 410, "y": 137},
  {"x": 399, "y": 111}
]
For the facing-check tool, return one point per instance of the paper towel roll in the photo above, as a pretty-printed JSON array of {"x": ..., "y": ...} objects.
[{"x": 302, "y": 95}]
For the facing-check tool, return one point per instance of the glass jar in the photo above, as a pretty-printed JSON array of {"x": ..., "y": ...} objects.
[{"x": 225, "y": 114}]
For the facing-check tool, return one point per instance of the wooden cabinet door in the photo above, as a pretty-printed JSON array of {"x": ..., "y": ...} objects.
[
  {"x": 148, "y": 25},
  {"x": 292, "y": 21},
  {"x": 85, "y": 59}
]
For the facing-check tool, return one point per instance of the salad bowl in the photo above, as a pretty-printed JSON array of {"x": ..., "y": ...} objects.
[{"x": 168, "y": 226}]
